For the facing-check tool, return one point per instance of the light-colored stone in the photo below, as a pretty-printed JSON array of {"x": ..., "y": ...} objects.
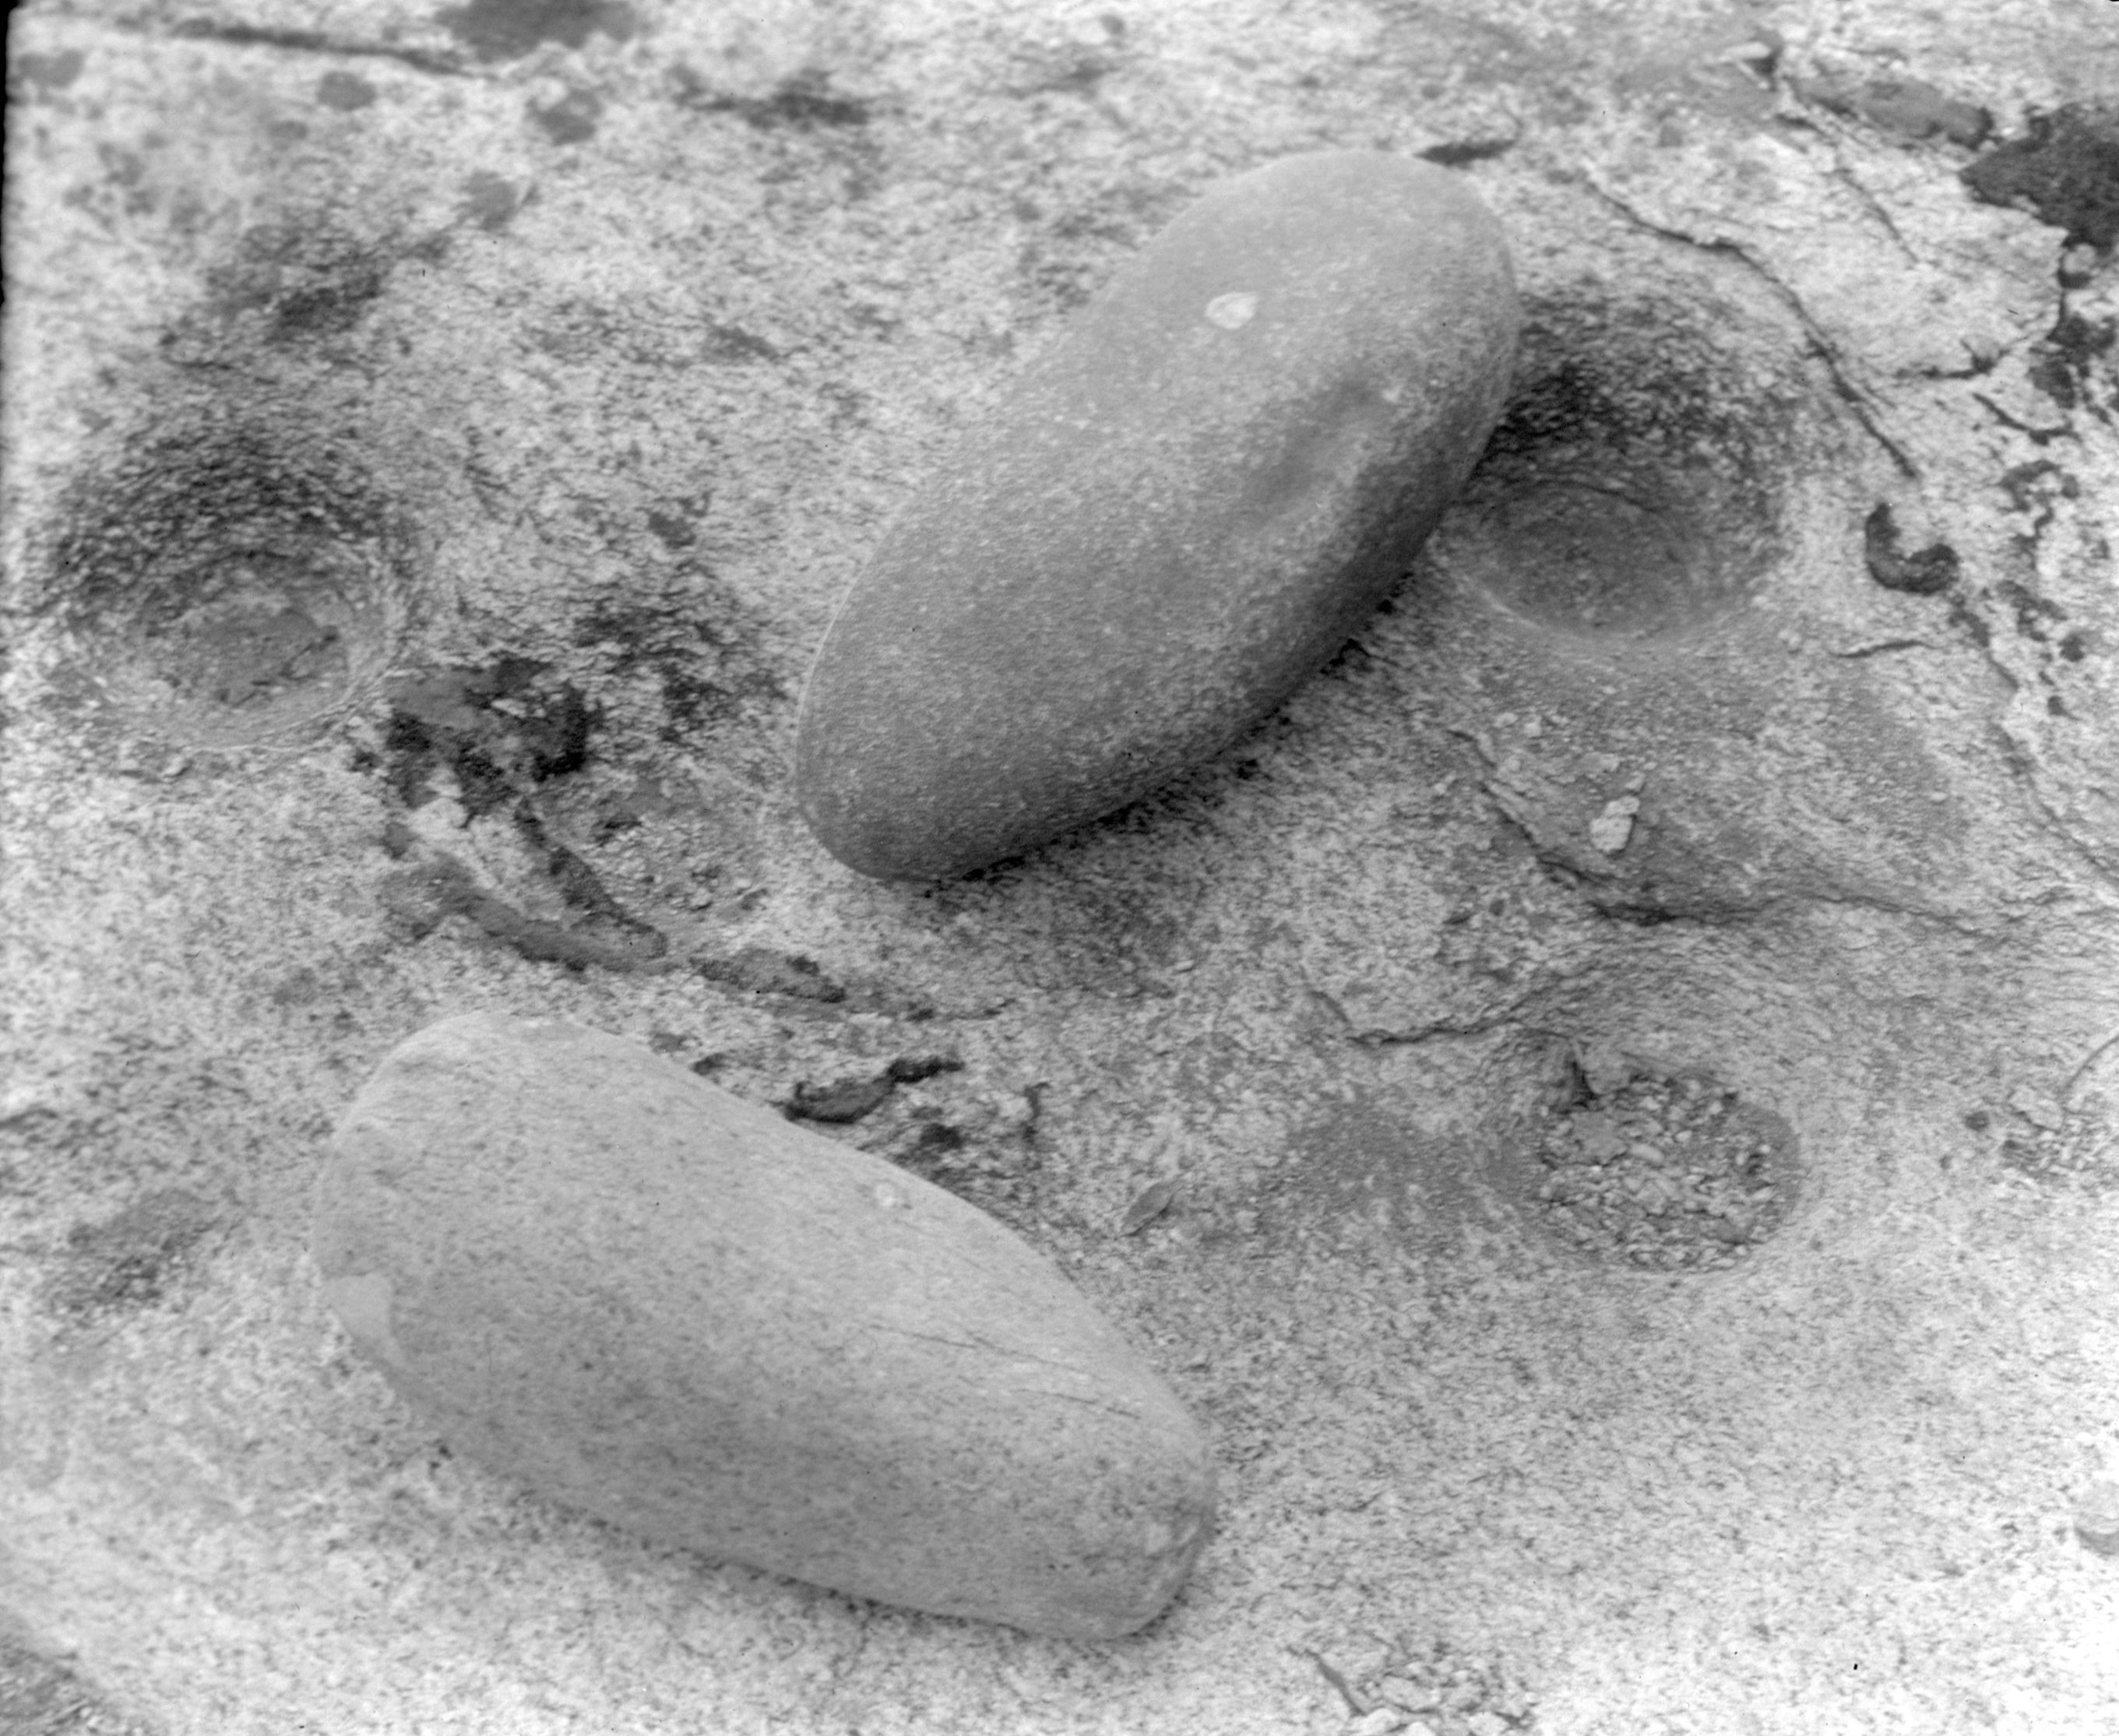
[{"x": 671, "y": 1308}]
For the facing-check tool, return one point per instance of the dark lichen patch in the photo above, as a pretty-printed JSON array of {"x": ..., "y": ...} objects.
[
  {"x": 910, "y": 1069},
  {"x": 701, "y": 645},
  {"x": 2032, "y": 487},
  {"x": 1456, "y": 153},
  {"x": 437, "y": 885},
  {"x": 672, "y": 530},
  {"x": 506, "y": 29},
  {"x": 805, "y": 101},
  {"x": 489, "y": 200},
  {"x": 759, "y": 970},
  {"x": 344, "y": 91},
  {"x": 1922, "y": 572},
  {"x": 998, "y": 1175},
  {"x": 501, "y": 728},
  {"x": 572, "y": 120},
  {"x": 841, "y": 1101},
  {"x": 850, "y": 1098},
  {"x": 2063, "y": 364},
  {"x": 2035, "y": 615},
  {"x": 47, "y": 72},
  {"x": 297, "y": 281},
  {"x": 131, "y": 1260},
  {"x": 2065, "y": 170}
]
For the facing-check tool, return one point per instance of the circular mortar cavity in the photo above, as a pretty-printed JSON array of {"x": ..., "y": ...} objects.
[
  {"x": 1630, "y": 490},
  {"x": 231, "y": 590},
  {"x": 1656, "y": 1172}
]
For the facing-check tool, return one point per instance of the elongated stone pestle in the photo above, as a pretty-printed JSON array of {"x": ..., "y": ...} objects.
[
  {"x": 1178, "y": 512},
  {"x": 650, "y": 1299}
]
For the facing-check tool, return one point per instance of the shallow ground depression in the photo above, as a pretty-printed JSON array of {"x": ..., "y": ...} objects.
[{"x": 1601, "y": 1105}]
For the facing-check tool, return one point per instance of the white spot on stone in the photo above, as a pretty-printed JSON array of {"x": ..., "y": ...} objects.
[
  {"x": 888, "y": 1197},
  {"x": 1610, "y": 830},
  {"x": 1234, "y": 310},
  {"x": 362, "y": 1303}
]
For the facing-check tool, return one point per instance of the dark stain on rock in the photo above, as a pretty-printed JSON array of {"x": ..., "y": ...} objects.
[
  {"x": 572, "y": 120},
  {"x": 674, "y": 531},
  {"x": 583, "y": 331},
  {"x": 909, "y": 1070},
  {"x": 2031, "y": 486},
  {"x": 500, "y": 729},
  {"x": 132, "y": 1259},
  {"x": 308, "y": 42},
  {"x": 303, "y": 281},
  {"x": 758, "y": 970},
  {"x": 47, "y": 72},
  {"x": 489, "y": 200},
  {"x": 997, "y": 1176},
  {"x": 1908, "y": 107},
  {"x": 2065, "y": 170},
  {"x": 1923, "y": 573},
  {"x": 803, "y": 101},
  {"x": 701, "y": 648},
  {"x": 2061, "y": 367},
  {"x": 440, "y": 885},
  {"x": 344, "y": 91},
  {"x": 2033, "y": 613},
  {"x": 505, "y": 30},
  {"x": 842, "y": 1101},
  {"x": 733, "y": 344},
  {"x": 1456, "y": 153},
  {"x": 849, "y": 1099}
]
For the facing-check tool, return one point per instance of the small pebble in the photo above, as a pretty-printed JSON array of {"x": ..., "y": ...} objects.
[
  {"x": 2097, "y": 1518},
  {"x": 592, "y": 1271},
  {"x": 1410, "y": 1695},
  {"x": 1612, "y": 830},
  {"x": 1183, "y": 507}
]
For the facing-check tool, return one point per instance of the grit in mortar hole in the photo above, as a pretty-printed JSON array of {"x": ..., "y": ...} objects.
[
  {"x": 1450, "y": 1692},
  {"x": 1629, "y": 492},
  {"x": 226, "y": 585},
  {"x": 1662, "y": 1173}
]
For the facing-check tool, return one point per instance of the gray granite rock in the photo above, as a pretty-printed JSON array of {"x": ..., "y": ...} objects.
[
  {"x": 1178, "y": 512},
  {"x": 650, "y": 1299}
]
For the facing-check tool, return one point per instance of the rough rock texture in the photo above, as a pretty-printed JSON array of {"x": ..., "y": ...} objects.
[
  {"x": 678, "y": 1311},
  {"x": 548, "y": 373},
  {"x": 1180, "y": 510}
]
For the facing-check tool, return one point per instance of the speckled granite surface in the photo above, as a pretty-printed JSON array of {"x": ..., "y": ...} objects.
[{"x": 434, "y": 443}]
